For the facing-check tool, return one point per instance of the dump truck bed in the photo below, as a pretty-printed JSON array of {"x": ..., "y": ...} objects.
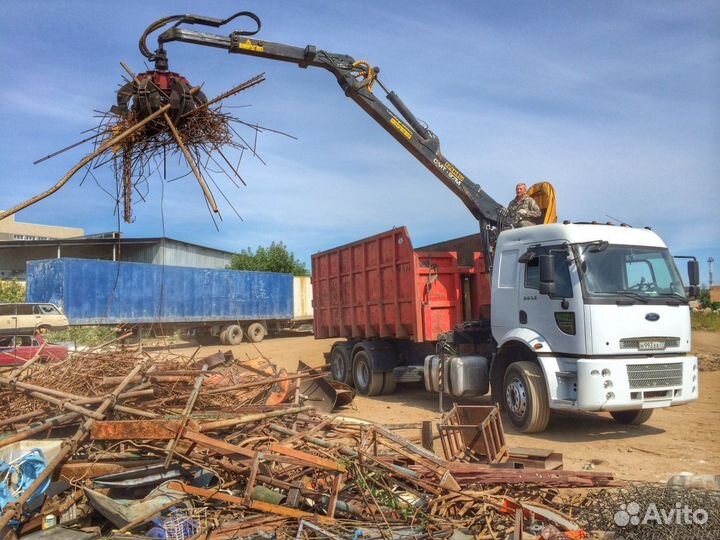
[{"x": 380, "y": 287}]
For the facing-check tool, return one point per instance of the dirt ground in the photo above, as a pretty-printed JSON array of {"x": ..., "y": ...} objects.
[{"x": 677, "y": 439}]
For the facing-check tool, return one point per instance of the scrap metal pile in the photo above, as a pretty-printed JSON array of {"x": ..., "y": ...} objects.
[
  {"x": 124, "y": 444},
  {"x": 160, "y": 118}
]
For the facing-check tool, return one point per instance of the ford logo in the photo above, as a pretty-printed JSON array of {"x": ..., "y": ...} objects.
[{"x": 652, "y": 317}]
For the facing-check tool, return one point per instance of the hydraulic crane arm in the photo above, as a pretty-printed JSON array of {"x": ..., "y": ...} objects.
[{"x": 357, "y": 79}]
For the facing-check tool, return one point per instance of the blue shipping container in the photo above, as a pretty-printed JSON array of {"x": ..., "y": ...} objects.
[{"x": 107, "y": 292}]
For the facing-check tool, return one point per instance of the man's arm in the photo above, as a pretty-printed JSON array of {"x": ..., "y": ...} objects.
[{"x": 533, "y": 210}]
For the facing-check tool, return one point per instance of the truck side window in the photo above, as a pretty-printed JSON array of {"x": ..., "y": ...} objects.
[
  {"x": 508, "y": 269},
  {"x": 7, "y": 309},
  {"x": 563, "y": 285},
  {"x": 532, "y": 274}
]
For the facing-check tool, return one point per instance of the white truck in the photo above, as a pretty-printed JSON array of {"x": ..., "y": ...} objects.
[{"x": 589, "y": 317}]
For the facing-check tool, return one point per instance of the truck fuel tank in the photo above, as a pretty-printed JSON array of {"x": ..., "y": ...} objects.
[{"x": 464, "y": 376}]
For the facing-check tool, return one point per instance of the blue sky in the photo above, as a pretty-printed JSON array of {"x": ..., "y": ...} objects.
[{"x": 616, "y": 103}]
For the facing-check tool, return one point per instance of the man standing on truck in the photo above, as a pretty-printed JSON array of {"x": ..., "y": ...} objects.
[{"x": 523, "y": 211}]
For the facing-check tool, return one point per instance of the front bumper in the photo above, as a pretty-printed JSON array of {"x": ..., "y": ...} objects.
[{"x": 618, "y": 384}]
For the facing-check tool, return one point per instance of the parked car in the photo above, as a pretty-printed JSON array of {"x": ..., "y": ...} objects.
[
  {"x": 31, "y": 317},
  {"x": 17, "y": 349}
]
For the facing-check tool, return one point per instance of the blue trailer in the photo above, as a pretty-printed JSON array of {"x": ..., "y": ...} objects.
[{"x": 224, "y": 304}]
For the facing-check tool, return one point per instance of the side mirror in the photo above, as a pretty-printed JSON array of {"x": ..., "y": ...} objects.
[
  {"x": 546, "y": 266},
  {"x": 694, "y": 272},
  {"x": 693, "y": 292}
]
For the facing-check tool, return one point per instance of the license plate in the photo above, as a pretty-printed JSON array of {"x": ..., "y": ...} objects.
[{"x": 651, "y": 345}]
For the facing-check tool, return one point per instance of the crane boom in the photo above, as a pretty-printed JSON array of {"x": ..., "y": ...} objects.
[{"x": 357, "y": 80}]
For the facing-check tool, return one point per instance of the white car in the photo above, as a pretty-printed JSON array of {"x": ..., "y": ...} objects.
[{"x": 31, "y": 317}]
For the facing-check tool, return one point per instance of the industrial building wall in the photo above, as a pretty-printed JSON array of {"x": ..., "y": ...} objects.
[{"x": 176, "y": 254}]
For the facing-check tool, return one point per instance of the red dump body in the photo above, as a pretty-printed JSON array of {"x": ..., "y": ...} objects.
[{"x": 380, "y": 287}]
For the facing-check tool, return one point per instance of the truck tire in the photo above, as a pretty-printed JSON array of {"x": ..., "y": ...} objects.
[
  {"x": 633, "y": 418},
  {"x": 222, "y": 336},
  {"x": 525, "y": 397},
  {"x": 367, "y": 383},
  {"x": 389, "y": 384},
  {"x": 234, "y": 334},
  {"x": 256, "y": 332},
  {"x": 340, "y": 366}
]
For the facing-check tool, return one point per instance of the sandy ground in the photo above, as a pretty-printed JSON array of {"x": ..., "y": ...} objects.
[{"x": 678, "y": 439}]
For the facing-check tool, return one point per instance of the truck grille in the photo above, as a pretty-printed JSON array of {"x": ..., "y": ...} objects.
[
  {"x": 634, "y": 343},
  {"x": 654, "y": 375}
]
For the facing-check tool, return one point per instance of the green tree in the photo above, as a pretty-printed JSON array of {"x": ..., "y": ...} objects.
[
  {"x": 12, "y": 292},
  {"x": 275, "y": 258}
]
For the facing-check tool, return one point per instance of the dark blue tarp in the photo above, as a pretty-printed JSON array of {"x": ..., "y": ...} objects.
[{"x": 106, "y": 292}]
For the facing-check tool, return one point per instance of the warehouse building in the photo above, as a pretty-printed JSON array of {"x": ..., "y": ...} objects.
[{"x": 14, "y": 254}]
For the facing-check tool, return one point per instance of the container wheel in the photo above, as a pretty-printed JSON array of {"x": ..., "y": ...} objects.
[
  {"x": 367, "y": 383},
  {"x": 634, "y": 418},
  {"x": 340, "y": 365},
  {"x": 525, "y": 397},
  {"x": 234, "y": 334},
  {"x": 256, "y": 332},
  {"x": 222, "y": 336}
]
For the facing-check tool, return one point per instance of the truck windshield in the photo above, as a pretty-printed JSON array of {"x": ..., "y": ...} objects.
[{"x": 638, "y": 273}]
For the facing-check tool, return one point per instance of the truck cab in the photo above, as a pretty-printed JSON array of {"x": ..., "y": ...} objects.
[{"x": 588, "y": 317}]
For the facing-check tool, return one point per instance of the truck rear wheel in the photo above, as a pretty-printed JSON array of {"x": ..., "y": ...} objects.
[
  {"x": 633, "y": 418},
  {"x": 340, "y": 365},
  {"x": 525, "y": 397},
  {"x": 256, "y": 332},
  {"x": 367, "y": 383},
  {"x": 233, "y": 334}
]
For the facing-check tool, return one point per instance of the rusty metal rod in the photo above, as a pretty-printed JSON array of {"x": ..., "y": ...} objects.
[
  {"x": 188, "y": 156},
  {"x": 24, "y": 417},
  {"x": 14, "y": 510},
  {"x": 84, "y": 161},
  {"x": 34, "y": 429},
  {"x": 185, "y": 415},
  {"x": 230, "y": 422}
]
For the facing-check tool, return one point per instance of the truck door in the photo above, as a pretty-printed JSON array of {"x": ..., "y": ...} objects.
[{"x": 556, "y": 316}]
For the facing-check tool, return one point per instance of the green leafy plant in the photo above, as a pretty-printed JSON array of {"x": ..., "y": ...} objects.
[
  {"x": 88, "y": 336},
  {"x": 275, "y": 258},
  {"x": 706, "y": 321},
  {"x": 12, "y": 292}
]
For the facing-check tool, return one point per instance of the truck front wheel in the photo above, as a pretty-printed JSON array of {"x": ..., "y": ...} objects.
[
  {"x": 525, "y": 397},
  {"x": 634, "y": 418},
  {"x": 367, "y": 383}
]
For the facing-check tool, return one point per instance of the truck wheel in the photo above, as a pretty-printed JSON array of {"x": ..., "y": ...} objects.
[
  {"x": 367, "y": 383},
  {"x": 340, "y": 366},
  {"x": 222, "y": 336},
  {"x": 389, "y": 384},
  {"x": 234, "y": 334},
  {"x": 633, "y": 418},
  {"x": 256, "y": 332},
  {"x": 526, "y": 398}
]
